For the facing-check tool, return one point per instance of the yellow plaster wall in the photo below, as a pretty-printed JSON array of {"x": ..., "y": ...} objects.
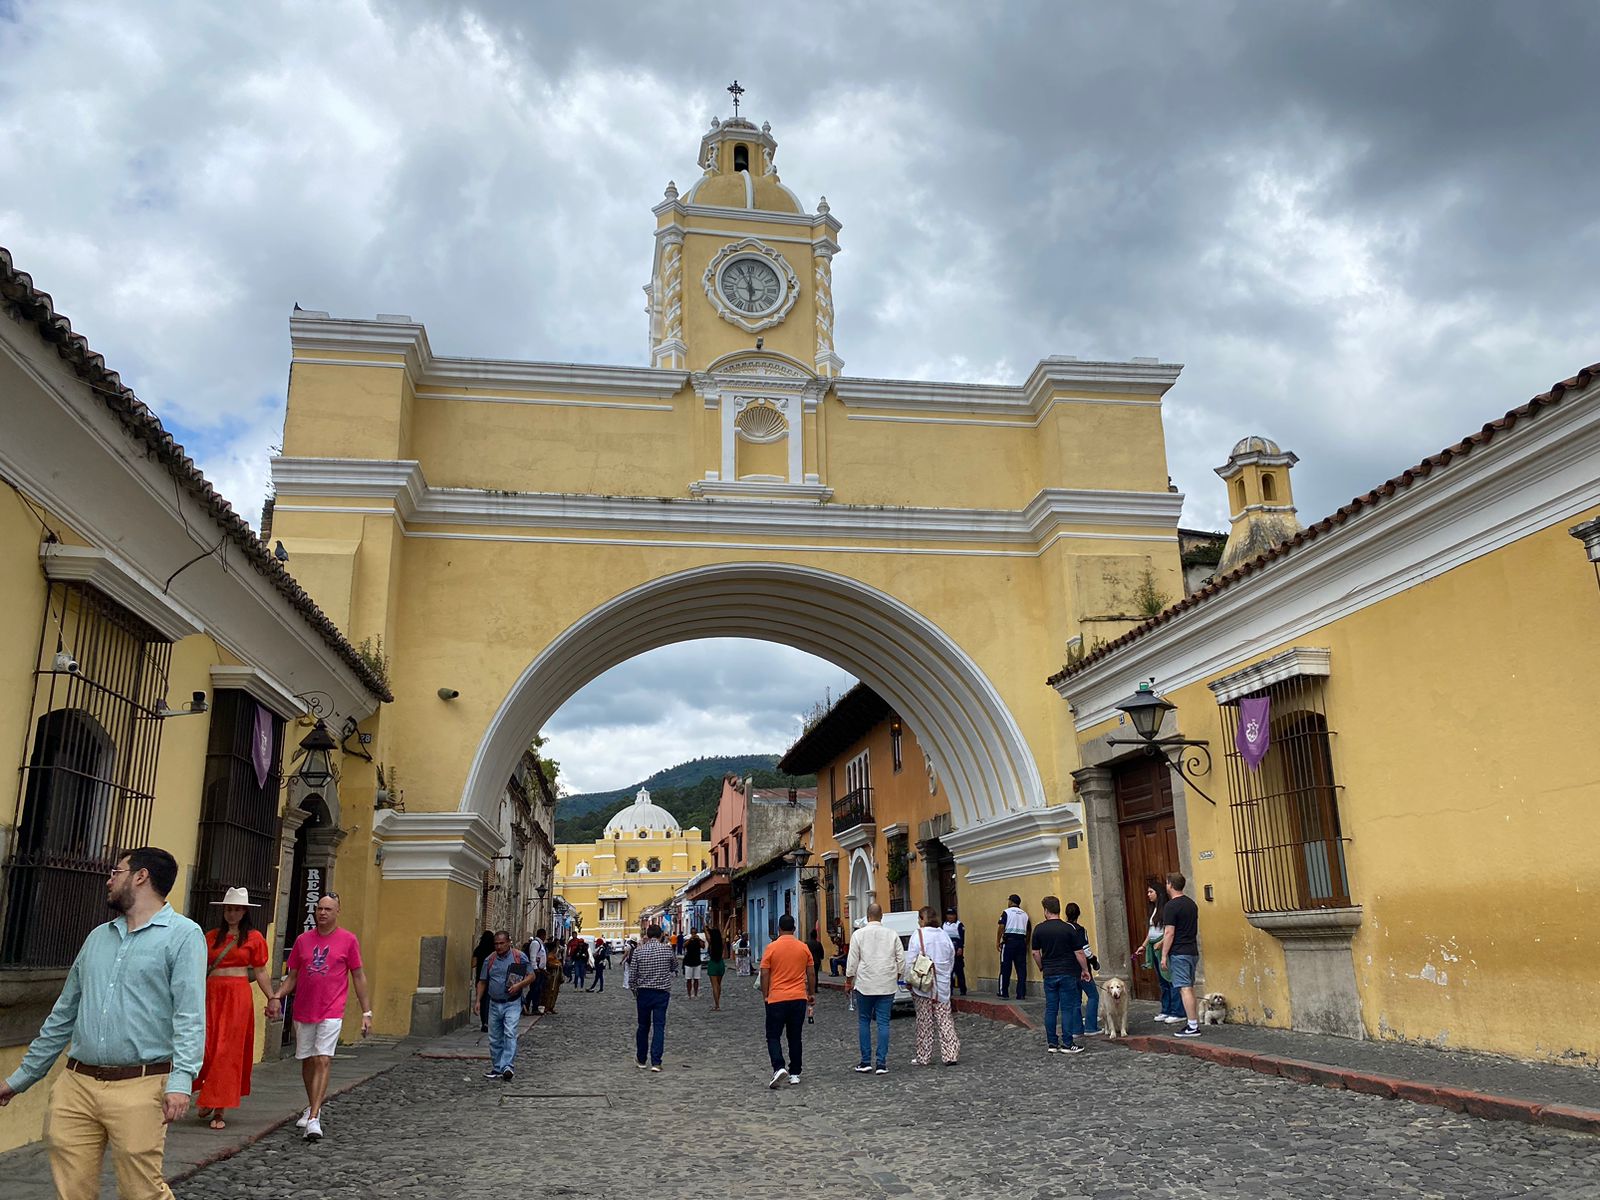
[
  {"x": 1464, "y": 795},
  {"x": 350, "y": 411}
]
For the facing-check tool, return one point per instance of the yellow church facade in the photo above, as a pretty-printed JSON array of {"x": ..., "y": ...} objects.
[
  {"x": 637, "y": 863},
  {"x": 1410, "y": 858},
  {"x": 512, "y": 529}
]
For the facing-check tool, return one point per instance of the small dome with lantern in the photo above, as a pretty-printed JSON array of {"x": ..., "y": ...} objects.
[{"x": 643, "y": 817}]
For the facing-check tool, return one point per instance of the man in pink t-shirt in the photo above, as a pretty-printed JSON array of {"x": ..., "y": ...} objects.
[{"x": 321, "y": 967}]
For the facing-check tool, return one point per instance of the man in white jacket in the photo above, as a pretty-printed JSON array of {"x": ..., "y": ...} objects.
[{"x": 873, "y": 970}]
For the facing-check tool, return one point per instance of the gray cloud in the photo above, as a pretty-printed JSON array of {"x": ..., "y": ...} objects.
[{"x": 1361, "y": 225}]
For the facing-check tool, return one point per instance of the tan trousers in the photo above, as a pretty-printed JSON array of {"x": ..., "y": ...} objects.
[
  {"x": 932, "y": 1014},
  {"x": 85, "y": 1114}
]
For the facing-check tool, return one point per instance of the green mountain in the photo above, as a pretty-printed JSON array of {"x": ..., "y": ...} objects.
[{"x": 689, "y": 791}]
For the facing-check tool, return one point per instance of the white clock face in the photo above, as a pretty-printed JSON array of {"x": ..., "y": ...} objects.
[{"x": 750, "y": 285}]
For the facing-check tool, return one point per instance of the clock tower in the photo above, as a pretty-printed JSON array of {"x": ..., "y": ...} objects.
[{"x": 739, "y": 262}]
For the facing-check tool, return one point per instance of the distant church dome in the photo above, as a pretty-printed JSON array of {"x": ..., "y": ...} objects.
[
  {"x": 1255, "y": 444},
  {"x": 642, "y": 814}
]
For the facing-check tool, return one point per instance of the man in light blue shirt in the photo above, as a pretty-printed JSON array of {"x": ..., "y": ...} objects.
[{"x": 134, "y": 1009}]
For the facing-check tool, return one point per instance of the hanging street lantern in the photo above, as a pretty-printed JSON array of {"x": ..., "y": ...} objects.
[
  {"x": 1146, "y": 711},
  {"x": 315, "y": 757}
]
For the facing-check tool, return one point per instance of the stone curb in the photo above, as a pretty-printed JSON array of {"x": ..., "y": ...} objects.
[{"x": 1478, "y": 1104}]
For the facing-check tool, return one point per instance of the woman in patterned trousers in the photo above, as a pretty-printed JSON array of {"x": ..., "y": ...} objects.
[{"x": 934, "y": 1012}]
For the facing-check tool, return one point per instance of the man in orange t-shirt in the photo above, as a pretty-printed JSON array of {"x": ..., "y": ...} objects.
[{"x": 789, "y": 983}]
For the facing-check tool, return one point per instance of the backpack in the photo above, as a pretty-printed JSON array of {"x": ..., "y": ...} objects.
[{"x": 923, "y": 976}]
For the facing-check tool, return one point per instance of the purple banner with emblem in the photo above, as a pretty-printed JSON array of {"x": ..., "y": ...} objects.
[
  {"x": 261, "y": 746},
  {"x": 1254, "y": 734}
]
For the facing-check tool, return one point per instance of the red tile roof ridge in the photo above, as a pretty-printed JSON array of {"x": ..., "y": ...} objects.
[
  {"x": 1390, "y": 487},
  {"x": 18, "y": 294}
]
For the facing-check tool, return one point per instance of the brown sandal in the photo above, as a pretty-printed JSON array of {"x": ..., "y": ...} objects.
[{"x": 217, "y": 1122}]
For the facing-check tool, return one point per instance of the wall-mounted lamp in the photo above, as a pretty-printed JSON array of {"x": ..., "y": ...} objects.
[
  {"x": 1145, "y": 711},
  {"x": 315, "y": 758},
  {"x": 1588, "y": 533},
  {"x": 448, "y": 693},
  {"x": 197, "y": 704}
]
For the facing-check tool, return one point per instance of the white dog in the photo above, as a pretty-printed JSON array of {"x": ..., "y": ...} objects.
[
  {"x": 1114, "y": 1007},
  {"x": 1213, "y": 1008}
]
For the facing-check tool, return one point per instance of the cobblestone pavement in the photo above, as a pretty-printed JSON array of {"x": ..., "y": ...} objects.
[{"x": 1009, "y": 1122}]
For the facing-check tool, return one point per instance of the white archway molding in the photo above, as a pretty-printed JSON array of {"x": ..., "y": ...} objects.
[{"x": 985, "y": 764}]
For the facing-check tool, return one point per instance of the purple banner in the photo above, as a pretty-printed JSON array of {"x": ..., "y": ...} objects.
[
  {"x": 1254, "y": 734},
  {"x": 261, "y": 746}
]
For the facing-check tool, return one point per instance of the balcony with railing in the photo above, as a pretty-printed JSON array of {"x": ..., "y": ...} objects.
[{"x": 852, "y": 811}]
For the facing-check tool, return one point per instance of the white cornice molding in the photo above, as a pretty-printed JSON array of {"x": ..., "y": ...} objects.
[
  {"x": 719, "y": 508},
  {"x": 679, "y": 209},
  {"x": 1528, "y": 479},
  {"x": 260, "y": 686},
  {"x": 1052, "y": 376},
  {"x": 1291, "y": 664},
  {"x": 1027, "y": 842},
  {"x": 456, "y": 846},
  {"x": 118, "y": 580}
]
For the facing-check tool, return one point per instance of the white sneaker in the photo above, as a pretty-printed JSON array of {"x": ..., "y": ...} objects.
[
  {"x": 305, "y": 1115},
  {"x": 779, "y": 1078},
  {"x": 314, "y": 1129},
  {"x": 794, "y": 1081}
]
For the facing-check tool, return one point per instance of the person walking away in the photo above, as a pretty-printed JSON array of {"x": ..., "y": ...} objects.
[
  {"x": 1084, "y": 1012},
  {"x": 1171, "y": 1001},
  {"x": 872, "y": 972},
  {"x": 934, "y": 1011},
  {"x": 1180, "y": 949},
  {"x": 652, "y": 970},
  {"x": 716, "y": 965},
  {"x": 480, "y": 952},
  {"x": 578, "y": 955},
  {"x": 1011, "y": 940},
  {"x": 324, "y": 963},
  {"x": 814, "y": 944},
  {"x": 133, "y": 1009},
  {"x": 602, "y": 960},
  {"x": 789, "y": 986},
  {"x": 235, "y": 953},
  {"x": 693, "y": 968},
  {"x": 1058, "y": 949},
  {"x": 956, "y": 931},
  {"x": 505, "y": 975}
]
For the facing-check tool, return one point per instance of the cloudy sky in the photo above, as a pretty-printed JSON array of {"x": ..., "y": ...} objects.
[{"x": 1364, "y": 227}]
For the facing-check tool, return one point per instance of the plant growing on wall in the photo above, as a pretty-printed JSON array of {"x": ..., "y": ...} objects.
[
  {"x": 1147, "y": 598},
  {"x": 371, "y": 652}
]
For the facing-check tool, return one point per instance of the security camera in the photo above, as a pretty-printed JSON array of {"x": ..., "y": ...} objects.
[
  {"x": 448, "y": 693},
  {"x": 197, "y": 702},
  {"x": 66, "y": 663}
]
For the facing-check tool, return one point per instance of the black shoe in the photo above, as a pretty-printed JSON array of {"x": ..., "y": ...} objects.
[{"x": 508, "y": 1075}]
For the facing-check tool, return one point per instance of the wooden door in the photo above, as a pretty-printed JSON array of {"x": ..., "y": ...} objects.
[{"x": 1149, "y": 838}]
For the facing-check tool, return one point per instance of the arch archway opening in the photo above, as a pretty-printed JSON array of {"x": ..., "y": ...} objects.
[{"x": 983, "y": 760}]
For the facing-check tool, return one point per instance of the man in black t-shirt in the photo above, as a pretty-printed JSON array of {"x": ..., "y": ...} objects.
[
  {"x": 1180, "y": 948},
  {"x": 1058, "y": 948}
]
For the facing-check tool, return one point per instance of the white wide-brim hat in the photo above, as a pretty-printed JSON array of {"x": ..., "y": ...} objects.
[{"x": 239, "y": 896}]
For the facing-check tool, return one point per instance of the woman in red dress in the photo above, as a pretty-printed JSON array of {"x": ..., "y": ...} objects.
[{"x": 235, "y": 951}]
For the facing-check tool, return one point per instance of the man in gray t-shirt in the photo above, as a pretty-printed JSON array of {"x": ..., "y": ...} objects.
[{"x": 501, "y": 980}]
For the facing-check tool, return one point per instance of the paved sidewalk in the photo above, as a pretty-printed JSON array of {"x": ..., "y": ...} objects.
[{"x": 276, "y": 1098}]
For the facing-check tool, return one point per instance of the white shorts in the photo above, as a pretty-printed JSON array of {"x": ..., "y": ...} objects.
[
  {"x": 694, "y": 974},
  {"x": 317, "y": 1039}
]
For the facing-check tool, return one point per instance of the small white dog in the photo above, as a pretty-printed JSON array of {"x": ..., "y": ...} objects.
[
  {"x": 1114, "y": 1007},
  {"x": 1213, "y": 1009}
]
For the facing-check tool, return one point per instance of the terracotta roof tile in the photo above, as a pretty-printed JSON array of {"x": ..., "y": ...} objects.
[
  {"x": 1384, "y": 491},
  {"x": 22, "y": 299}
]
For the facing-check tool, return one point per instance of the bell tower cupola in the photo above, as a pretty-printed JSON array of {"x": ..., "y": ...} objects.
[
  {"x": 740, "y": 265},
  {"x": 1261, "y": 508}
]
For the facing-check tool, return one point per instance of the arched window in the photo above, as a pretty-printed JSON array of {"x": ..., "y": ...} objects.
[
  {"x": 644, "y": 833},
  {"x": 741, "y": 157},
  {"x": 1238, "y": 494},
  {"x": 581, "y": 871},
  {"x": 633, "y": 866},
  {"x": 1269, "y": 488},
  {"x": 653, "y": 865}
]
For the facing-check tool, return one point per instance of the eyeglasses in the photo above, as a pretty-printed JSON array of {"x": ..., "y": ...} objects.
[{"x": 119, "y": 871}]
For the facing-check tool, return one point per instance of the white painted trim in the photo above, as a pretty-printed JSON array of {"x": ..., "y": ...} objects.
[
  {"x": 301, "y": 360},
  {"x": 1020, "y": 843},
  {"x": 1291, "y": 664},
  {"x": 260, "y": 686},
  {"x": 896, "y": 830},
  {"x": 109, "y": 575},
  {"x": 1544, "y": 471},
  {"x": 1055, "y": 374},
  {"x": 985, "y": 762},
  {"x": 1050, "y": 514},
  {"x": 456, "y": 846},
  {"x": 1000, "y": 423}
]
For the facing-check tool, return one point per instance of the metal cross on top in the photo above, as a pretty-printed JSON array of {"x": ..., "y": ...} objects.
[{"x": 735, "y": 91}]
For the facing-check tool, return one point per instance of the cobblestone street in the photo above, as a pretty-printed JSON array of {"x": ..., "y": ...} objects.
[{"x": 580, "y": 1121}]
